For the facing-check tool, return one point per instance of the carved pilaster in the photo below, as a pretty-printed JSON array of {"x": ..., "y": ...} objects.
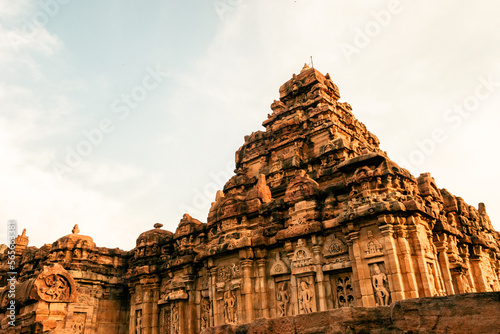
[
  {"x": 247, "y": 288},
  {"x": 361, "y": 271},
  {"x": 393, "y": 270},
  {"x": 261, "y": 264},
  {"x": 408, "y": 272},
  {"x": 441, "y": 244},
  {"x": 215, "y": 311},
  {"x": 319, "y": 277}
]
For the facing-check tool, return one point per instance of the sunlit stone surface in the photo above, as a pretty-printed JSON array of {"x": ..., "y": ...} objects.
[{"x": 317, "y": 218}]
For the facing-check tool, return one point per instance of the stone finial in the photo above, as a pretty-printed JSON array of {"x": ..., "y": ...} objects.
[
  {"x": 305, "y": 68},
  {"x": 75, "y": 229},
  {"x": 158, "y": 225},
  {"x": 22, "y": 239}
]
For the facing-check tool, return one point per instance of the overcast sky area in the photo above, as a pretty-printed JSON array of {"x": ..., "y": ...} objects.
[{"x": 116, "y": 115}]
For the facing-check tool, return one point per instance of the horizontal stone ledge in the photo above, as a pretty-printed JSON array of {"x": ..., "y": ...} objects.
[{"x": 466, "y": 313}]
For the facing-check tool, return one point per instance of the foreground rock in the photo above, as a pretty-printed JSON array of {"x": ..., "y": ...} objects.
[{"x": 477, "y": 313}]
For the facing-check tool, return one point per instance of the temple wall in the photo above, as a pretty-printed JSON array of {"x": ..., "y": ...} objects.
[{"x": 316, "y": 218}]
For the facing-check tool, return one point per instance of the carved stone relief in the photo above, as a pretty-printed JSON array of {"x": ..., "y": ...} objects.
[
  {"x": 165, "y": 316},
  {"x": 175, "y": 318},
  {"x": 343, "y": 290},
  {"x": 432, "y": 280},
  {"x": 302, "y": 255},
  {"x": 306, "y": 295},
  {"x": 227, "y": 272},
  {"x": 78, "y": 326},
  {"x": 282, "y": 298},
  {"x": 373, "y": 247},
  {"x": 230, "y": 307},
  {"x": 138, "y": 321},
  {"x": 334, "y": 246},
  {"x": 380, "y": 284},
  {"x": 279, "y": 267},
  {"x": 54, "y": 288},
  {"x": 205, "y": 313}
]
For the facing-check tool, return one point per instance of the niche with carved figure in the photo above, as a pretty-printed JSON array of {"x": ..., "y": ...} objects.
[
  {"x": 380, "y": 284},
  {"x": 306, "y": 295},
  {"x": 283, "y": 297}
]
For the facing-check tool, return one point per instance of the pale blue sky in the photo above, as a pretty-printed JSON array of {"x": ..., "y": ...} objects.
[{"x": 200, "y": 75}]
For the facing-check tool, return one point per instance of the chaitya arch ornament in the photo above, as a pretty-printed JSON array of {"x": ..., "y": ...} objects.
[
  {"x": 55, "y": 285},
  {"x": 279, "y": 267},
  {"x": 334, "y": 246}
]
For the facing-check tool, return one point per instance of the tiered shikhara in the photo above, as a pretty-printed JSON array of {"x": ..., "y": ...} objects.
[{"x": 317, "y": 217}]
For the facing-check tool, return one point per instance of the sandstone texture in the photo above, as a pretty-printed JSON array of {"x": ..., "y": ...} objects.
[
  {"x": 318, "y": 231},
  {"x": 477, "y": 313}
]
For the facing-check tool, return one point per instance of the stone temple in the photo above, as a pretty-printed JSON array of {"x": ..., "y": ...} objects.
[{"x": 317, "y": 223}]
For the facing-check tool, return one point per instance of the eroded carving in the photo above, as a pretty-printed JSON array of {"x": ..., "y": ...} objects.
[{"x": 380, "y": 284}]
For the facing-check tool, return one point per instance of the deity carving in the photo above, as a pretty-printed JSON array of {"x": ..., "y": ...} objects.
[
  {"x": 380, "y": 285},
  {"x": 138, "y": 322},
  {"x": 432, "y": 280},
  {"x": 175, "y": 319},
  {"x": 306, "y": 296},
  {"x": 227, "y": 272},
  {"x": 78, "y": 326},
  {"x": 229, "y": 307},
  {"x": 205, "y": 313},
  {"x": 55, "y": 288},
  {"x": 282, "y": 299},
  {"x": 464, "y": 282}
]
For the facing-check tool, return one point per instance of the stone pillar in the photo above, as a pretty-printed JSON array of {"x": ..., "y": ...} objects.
[
  {"x": 213, "y": 298},
  {"x": 478, "y": 274},
  {"x": 393, "y": 270},
  {"x": 131, "y": 318},
  {"x": 294, "y": 300},
  {"x": 363, "y": 272},
  {"x": 191, "y": 315},
  {"x": 154, "y": 297},
  {"x": 411, "y": 291},
  {"x": 419, "y": 256},
  {"x": 444, "y": 263},
  {"x": 147, "y": 311},
  {"x": 247, "y": 288},
  {"x": 261, "y": 263},
  {"x": 319, "y": 277}
]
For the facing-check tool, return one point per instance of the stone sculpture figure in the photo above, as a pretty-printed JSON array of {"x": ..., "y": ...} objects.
[
  {"x": 432, "y": 281},
  {"x": 138, "y": 322},
  {"x": 305, "y": 297},
  {"x": 379, "y": 279},
  {"x": 283, "y": 299},
  {"x": 56, "y": 289},
  {"x": 175, "y": 319},
  {"x": 205, "y": 313},
  {"x": 465, "y": 282},
  {"x": 229, "y": 307}
]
